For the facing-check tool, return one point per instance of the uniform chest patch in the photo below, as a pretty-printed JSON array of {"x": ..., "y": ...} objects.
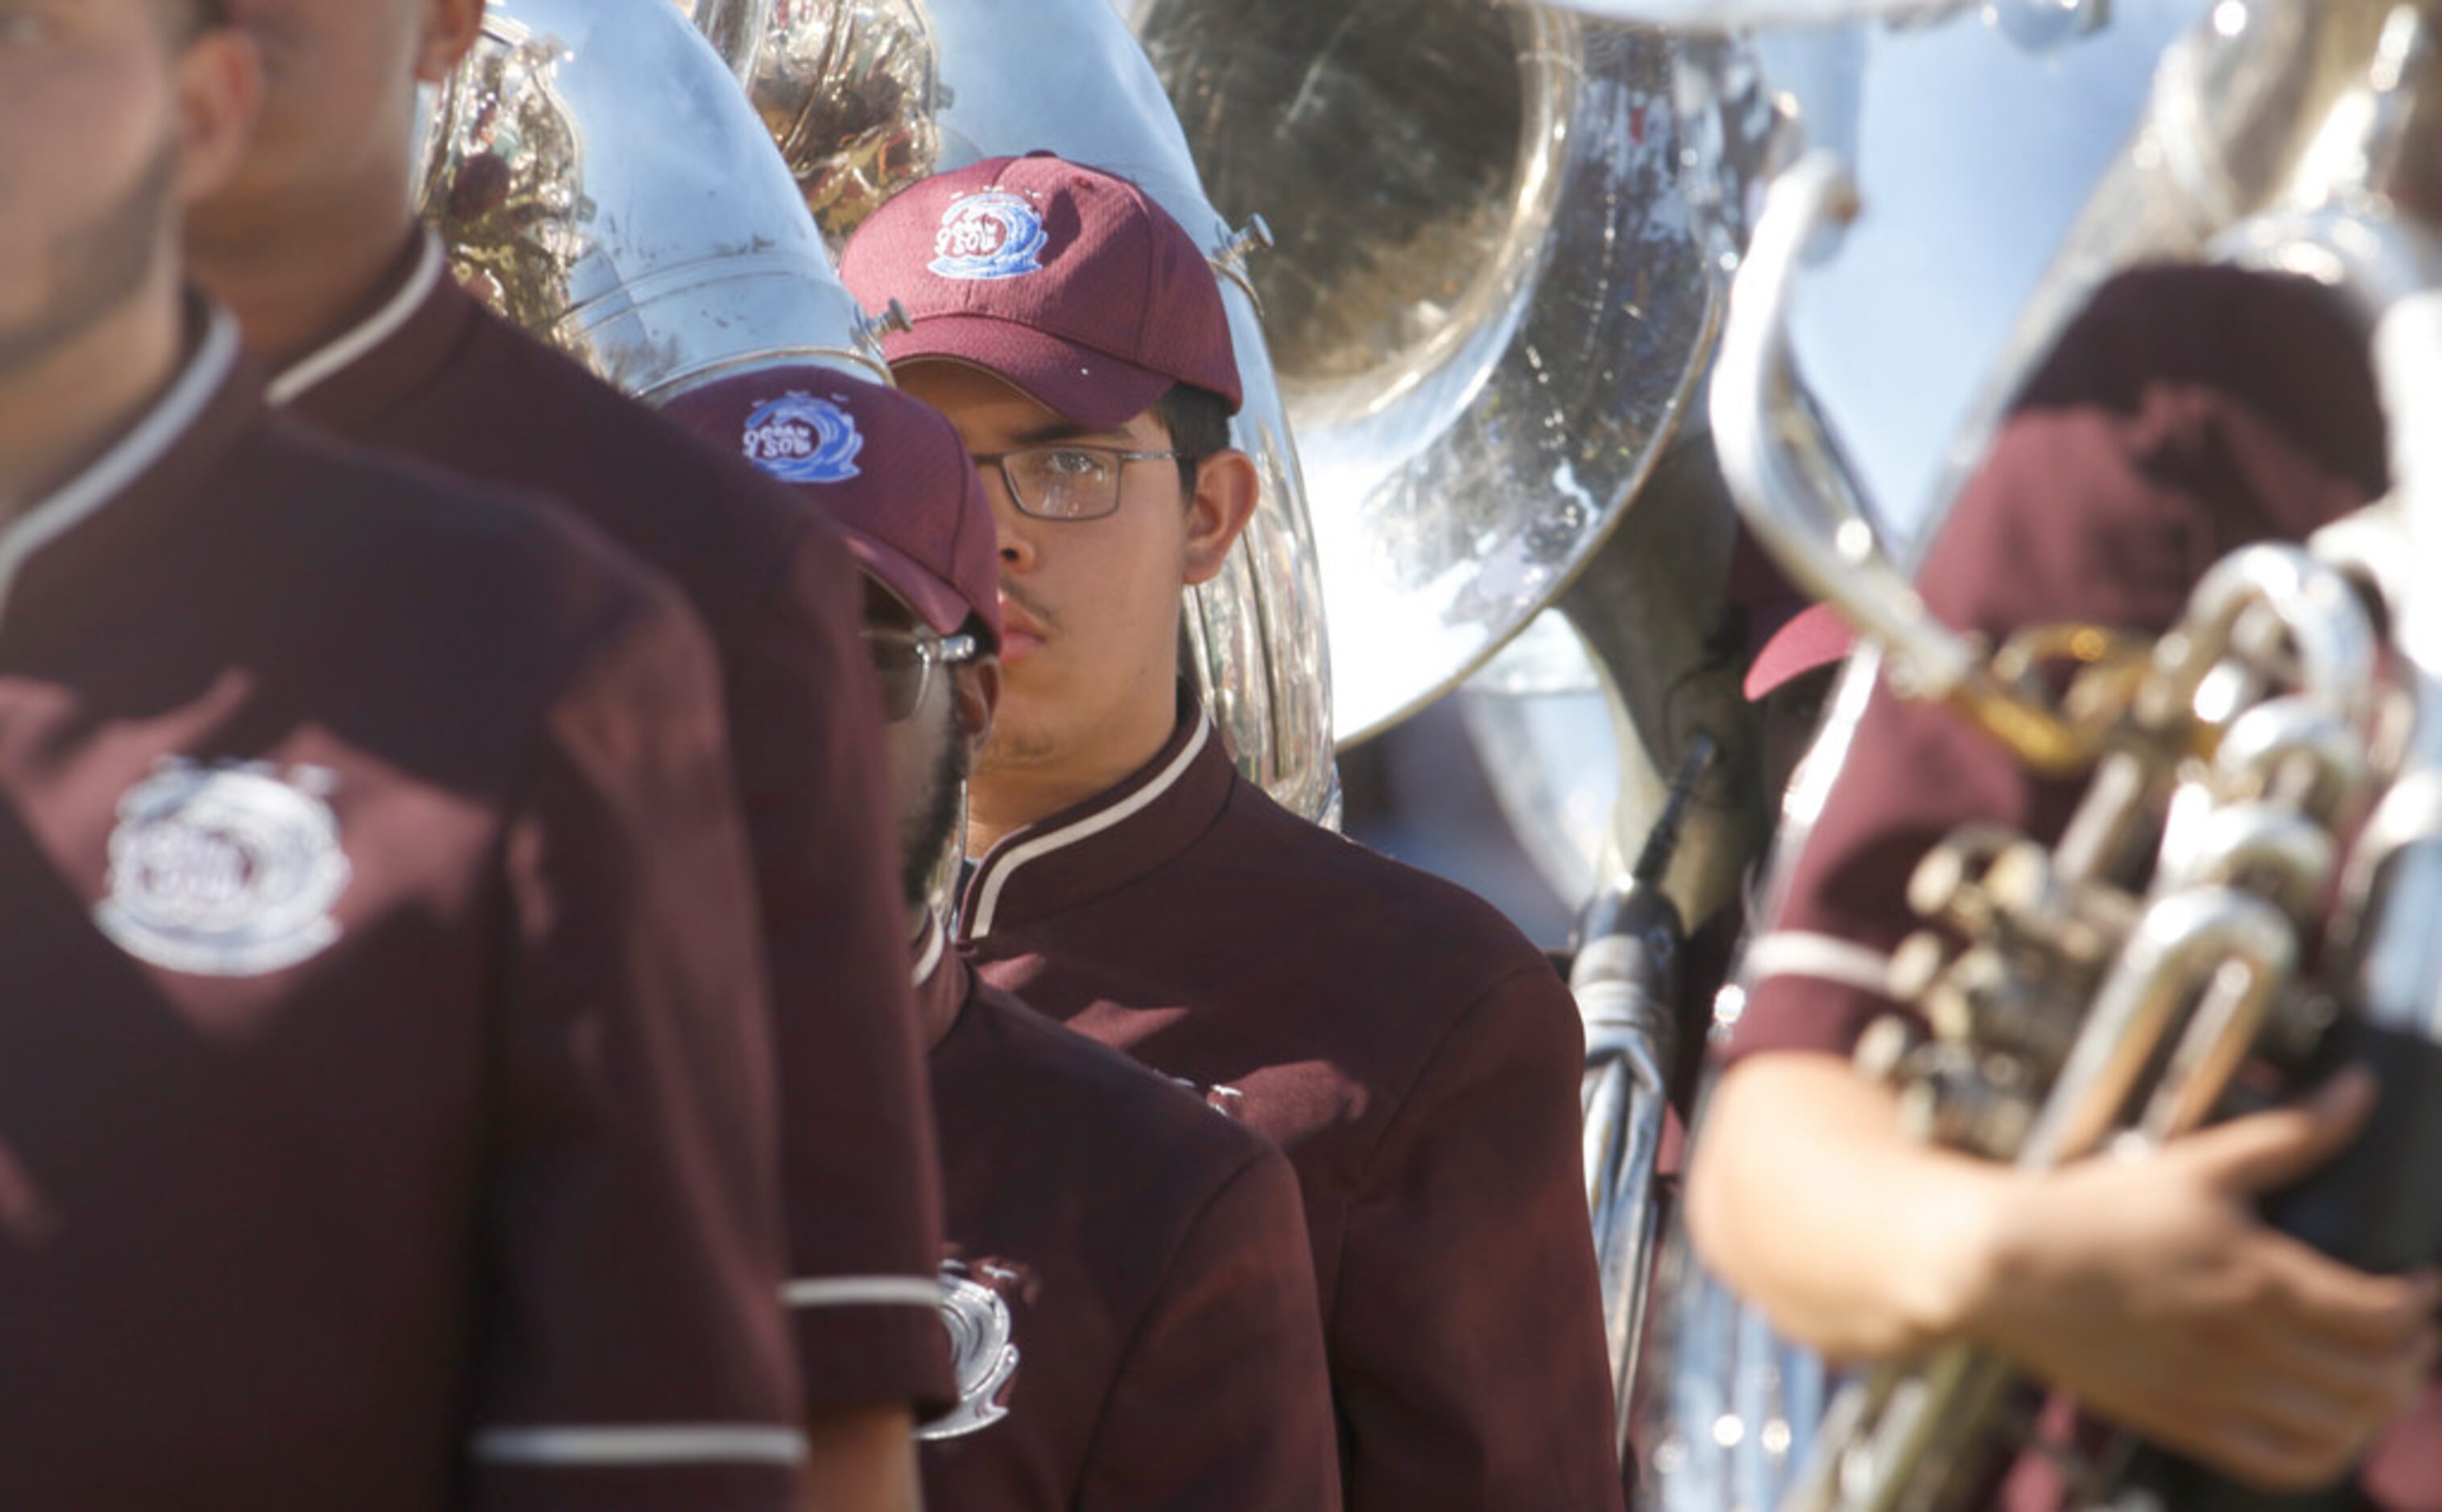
[
  {"x": 981, "y": 1351},
  {"x": 800, "y": 439},
  {"x": 990, "y": 235},
  {"x": 225, "y": 870}
]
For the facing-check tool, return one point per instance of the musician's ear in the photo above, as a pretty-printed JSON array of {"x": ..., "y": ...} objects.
[
  {"x": 1227, "y": 491},
  {"x": 979, "y": 686}
]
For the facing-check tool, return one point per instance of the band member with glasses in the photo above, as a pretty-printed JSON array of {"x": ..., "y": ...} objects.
[
  {"x": 350, "y": 303},
  {"x": 1127, "y": 1277},
  {"x": 1416, "y": 1057},
  {"x": 384, "y": 1106},
  {"x": 2187, "y": 413}
]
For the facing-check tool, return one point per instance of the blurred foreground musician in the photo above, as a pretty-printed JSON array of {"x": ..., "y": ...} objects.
[
  {"x": 1128, "y": 1280},
  {"x": 384, "y": 1117},
  {"x": 2188, "y": 411},
  {"x": 315, "y": 246},
  {"x": 1416, "y": 1057}
]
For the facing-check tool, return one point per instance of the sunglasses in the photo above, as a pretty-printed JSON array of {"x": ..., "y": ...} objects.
[{"x": 903, "y": 663}]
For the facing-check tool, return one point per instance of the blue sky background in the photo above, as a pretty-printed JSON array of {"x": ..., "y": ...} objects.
[{"x": 1974, "y": 156}]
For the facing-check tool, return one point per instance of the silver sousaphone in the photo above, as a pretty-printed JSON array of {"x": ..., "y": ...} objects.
[
  {"x": 1732, "y": 1416},
  {"x": 600, "y": 180},
  {"x": 1486, "y": 307},
  {"x": 1980, "y": 134}
]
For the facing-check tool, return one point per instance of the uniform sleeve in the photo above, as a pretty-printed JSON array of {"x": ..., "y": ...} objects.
[
  {"x": 861, "y": 1189},
  {"x": 631, "y": 1352},
  {"x": 1467, "y": 1332},
  {"x": 2188, "y": 411},
  {"x": 1222, "y": 1400}
]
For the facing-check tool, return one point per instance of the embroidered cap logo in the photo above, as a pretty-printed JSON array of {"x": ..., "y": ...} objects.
[
  {"x": 225, "y": 870},
  {"x": 800, "y": 439},
  {"x": 993, "y": 234}
]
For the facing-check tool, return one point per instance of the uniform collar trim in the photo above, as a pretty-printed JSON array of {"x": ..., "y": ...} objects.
[
  {"x": 928, "y": 957},
  {"x": 112, "y": 474},
  {"x": 1123, "y": 833},
  {"x": 941, "y": 983},
  {"x": 366, "y": 336}
]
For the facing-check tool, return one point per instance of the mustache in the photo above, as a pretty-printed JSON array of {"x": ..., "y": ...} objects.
[{"x": 1034, "y": 610}]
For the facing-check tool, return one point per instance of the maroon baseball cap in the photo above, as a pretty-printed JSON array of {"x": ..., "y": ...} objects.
[
  {"x": 1814, "y": 638},
  {"x": 890, "y": 471},
  {"x": 1065, "y": 281}
]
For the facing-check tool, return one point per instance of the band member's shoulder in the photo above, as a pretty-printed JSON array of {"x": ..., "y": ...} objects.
[
  {"x": 1005, "y": 1065},
  {"x": 517, "y": 412},
  {"x": 1415, "y": 954},
  {"x": 450, "y": 563}
]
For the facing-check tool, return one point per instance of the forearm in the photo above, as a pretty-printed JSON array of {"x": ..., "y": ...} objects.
[{"x": 1809, "y": 1199}]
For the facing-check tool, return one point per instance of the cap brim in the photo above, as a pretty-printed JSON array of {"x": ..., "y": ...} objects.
[
  {"x": 943, "y": 607},
  {"x": 1813, "y": 640},
  {"x": 1093, "y": 388}
]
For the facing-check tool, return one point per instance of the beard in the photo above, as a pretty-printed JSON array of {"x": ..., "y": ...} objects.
[
  {"x": 925, "y": 839},
  {"x": 1013, "y": 746},
  {"x": 94, "y": 270}
]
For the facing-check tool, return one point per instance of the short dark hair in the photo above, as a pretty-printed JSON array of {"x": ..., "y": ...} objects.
[{"x": 1198, "y": 422}]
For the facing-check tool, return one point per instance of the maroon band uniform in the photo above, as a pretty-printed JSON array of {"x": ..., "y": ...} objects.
[
  {"x": 383, "y": 1116},
  {"x": 1416, "y": 1057},
  {"x": 2189, "y": 412},
  {"x": 427, "y": 373},
  {"x": 1145, "y": 1260}
]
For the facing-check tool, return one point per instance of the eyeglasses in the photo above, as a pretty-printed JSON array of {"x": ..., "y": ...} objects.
[
  {"x": 903, "y": 663},
  {"x": 1066, "y": 482}
]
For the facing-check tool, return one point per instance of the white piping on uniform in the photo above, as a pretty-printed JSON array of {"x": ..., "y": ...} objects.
[
  {"x": 136, "y": 453},
  {"x": 1824, "y": 957},
  {"x": 988, "y": 901},
  {"x": 937, "y": 944},
  {"x": 302, "y": 375},
  {"x": 862, "y": 1291},
  {"x": 660, "y": 1444}
]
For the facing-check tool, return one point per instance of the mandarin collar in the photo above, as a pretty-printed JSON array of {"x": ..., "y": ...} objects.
[
  {"x": 1108, "y": 841},
  {"x": 400, "y": 339},
  {"x": 156, "y": 461},
  {"x": 941, "y": 979}
]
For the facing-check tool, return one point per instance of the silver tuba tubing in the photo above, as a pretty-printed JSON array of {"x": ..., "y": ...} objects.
[
  {"x": 2401, "y": 974},
  {"x": 1625, "y": 979},
  {"x": 601, "y": 180}
]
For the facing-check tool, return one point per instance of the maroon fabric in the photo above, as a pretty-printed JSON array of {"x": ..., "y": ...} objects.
[
  {"x": 1069, "y": 281},
  {"x": 894, "y": 476},
  {"x": 456, "y": 387},
  {"x": 1152, "y": 1256},
  {"x": 382, "y": 1064},
  {"x": 2187, "y": 413},
  {"x": 1416, "y": 1057}
]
